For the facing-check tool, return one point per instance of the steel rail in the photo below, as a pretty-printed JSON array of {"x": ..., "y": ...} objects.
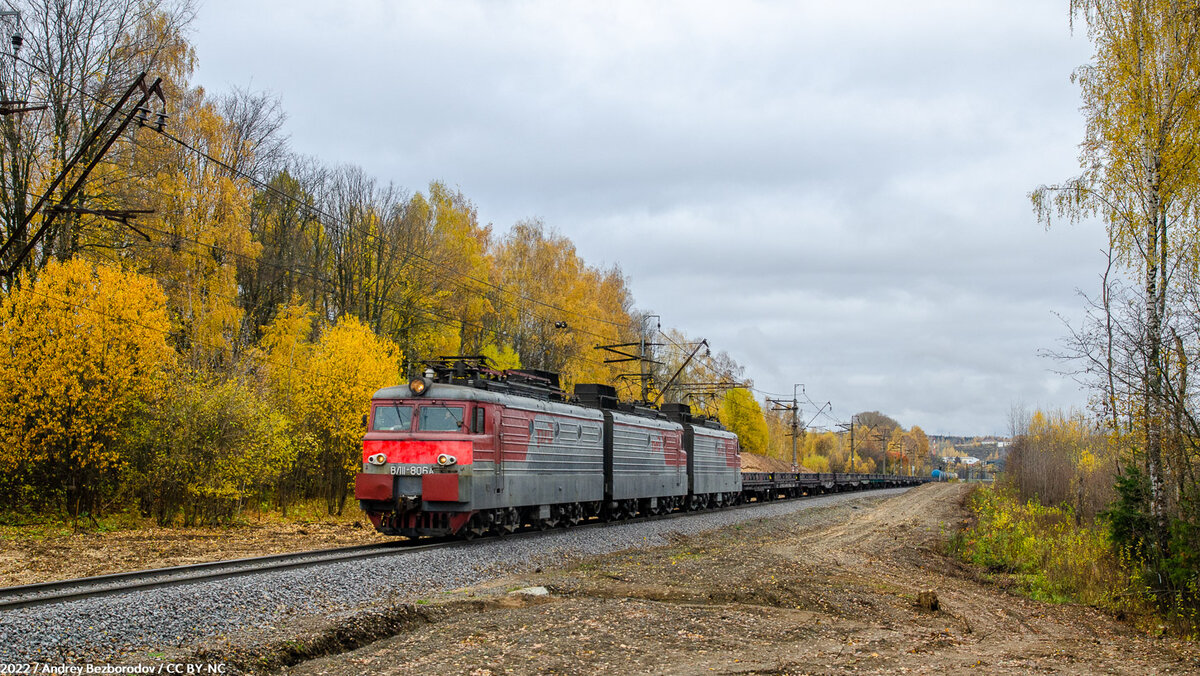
[
  {"x": 24, "y": 596},
  {"x": 63, "y": 591}
]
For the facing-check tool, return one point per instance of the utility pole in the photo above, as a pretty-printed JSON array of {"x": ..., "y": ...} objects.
[
  {"x": 644, "y": 365},
  {"x": 794, "y": 407},
  {"x": 703, "y": 343},
  {"x": 871, "y": 433},
  {"x": 850, "y": 427},
  {"x": 92, "y": 144},
  {"x": 644, "y": 361}
]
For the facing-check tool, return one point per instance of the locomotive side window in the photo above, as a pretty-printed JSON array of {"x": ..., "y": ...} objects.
[
  {"x": 440, "y": 419},
  {"x": 393, "y": 418},
  {"x": 479, "y": 420}
]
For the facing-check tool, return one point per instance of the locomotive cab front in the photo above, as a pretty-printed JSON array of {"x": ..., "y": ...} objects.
[{"x": 418, "y": 455}]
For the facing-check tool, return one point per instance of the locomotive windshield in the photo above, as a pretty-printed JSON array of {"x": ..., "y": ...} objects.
[
  {"x": 393, "y": 418},
  {"x": 440, "y": 419}
]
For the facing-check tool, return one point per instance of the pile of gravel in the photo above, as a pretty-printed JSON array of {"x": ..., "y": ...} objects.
[{"x": 139, "y": 623}]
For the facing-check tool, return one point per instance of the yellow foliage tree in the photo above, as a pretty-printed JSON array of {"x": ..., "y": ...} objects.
[
  {"x": 201, "y": 227},
  {"x": 539, "y": 271},
  {"x": 328, "y": 385},
  {"x": 1141, "y": 175},
  {"x": 743, "y": 416},
  {"x": 817, "y": 463},
  {"x": 82, "y": 348},
  {"x": 501, "y": 357}
]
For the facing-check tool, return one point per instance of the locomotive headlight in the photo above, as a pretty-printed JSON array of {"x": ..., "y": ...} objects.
[
  {"x": 418, "y": 386},
  {"x": 446, "y": 460},
  {"x": 377, "y": 459}
]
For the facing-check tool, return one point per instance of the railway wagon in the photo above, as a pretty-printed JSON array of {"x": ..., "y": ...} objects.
[
  {"x": 714, "y": 466},
  {"x": 469, "y": 450},
  {"x": 646, "y": 464}
]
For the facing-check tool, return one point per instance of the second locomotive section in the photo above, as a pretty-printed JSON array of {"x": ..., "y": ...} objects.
[{"x": 481, "y": 456}]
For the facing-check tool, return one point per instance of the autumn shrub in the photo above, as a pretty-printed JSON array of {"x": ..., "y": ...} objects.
[
  {"x": 83, "y": 350},
  {"x": 1059, "y": 458},
  {"x": 1048, "y": 554},
  {"x": 215, "y": 445},
  {"x": 862, "y": 465}
]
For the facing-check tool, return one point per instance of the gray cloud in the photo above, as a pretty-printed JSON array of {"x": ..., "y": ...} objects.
[{"x": 833, "y": 194}]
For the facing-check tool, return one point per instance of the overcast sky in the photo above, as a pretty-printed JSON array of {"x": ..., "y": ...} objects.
[{"x": 834, "y": 193}]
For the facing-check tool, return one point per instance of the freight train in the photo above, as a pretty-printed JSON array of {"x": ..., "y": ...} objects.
[{"x": 468, "y": 450}]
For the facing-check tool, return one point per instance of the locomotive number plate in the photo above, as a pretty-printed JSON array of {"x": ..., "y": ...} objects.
[{"x": 411, "y": 469}]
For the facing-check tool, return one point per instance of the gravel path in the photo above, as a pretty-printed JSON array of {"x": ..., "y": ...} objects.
[{"x": 155, "y": 620}]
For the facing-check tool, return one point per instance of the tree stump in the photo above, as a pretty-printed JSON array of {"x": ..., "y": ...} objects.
[{"x": 928, "y": 599}]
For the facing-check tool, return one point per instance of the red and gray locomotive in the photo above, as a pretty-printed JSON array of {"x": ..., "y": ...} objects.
[{"x": 469, "y": 450}]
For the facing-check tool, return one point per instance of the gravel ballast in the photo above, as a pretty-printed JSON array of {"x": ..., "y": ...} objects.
[{"x": 141, "y": 623}]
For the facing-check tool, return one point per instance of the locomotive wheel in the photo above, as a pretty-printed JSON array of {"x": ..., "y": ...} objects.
[
  {"x": 557, "y": 516},
  {"x": 492, "y": 519},
  {"x": 511, "y": 520},
  {"x": 611, "y": 513},
  {"x": 475, "y": 527}
]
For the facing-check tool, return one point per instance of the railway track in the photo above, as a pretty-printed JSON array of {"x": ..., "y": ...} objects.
[{"x": 62, "y": 591}]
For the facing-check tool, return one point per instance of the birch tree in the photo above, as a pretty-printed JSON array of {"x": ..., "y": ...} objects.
[{"x": 1141, "y": 98}]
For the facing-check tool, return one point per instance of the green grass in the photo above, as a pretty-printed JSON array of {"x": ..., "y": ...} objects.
[{"x": 1045, "y": 554}]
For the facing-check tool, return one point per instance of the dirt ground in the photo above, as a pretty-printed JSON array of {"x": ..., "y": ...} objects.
[
  {"x": 26, "y": 559},
  {"x": 828, "y": 591}
]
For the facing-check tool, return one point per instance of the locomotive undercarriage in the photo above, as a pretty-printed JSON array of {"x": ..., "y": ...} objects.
[{"x": 406, "y": 517}]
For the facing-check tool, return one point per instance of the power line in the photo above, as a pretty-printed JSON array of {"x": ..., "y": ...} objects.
[
  {"x": 437, "y": 318},
  {"x": 308, "y": 206},
  {"x": 432, "y": 266}
]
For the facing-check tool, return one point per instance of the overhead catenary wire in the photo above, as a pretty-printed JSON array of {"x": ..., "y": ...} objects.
[
  {"x": 435, "y": 267},
  {"x": 429, "y": 264},
  {"x": 712, "y": 370},
  {"x": 436, "y": 317}
]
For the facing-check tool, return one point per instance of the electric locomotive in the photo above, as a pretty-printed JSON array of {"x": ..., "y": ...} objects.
[{"x": 469, "y": 450}]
